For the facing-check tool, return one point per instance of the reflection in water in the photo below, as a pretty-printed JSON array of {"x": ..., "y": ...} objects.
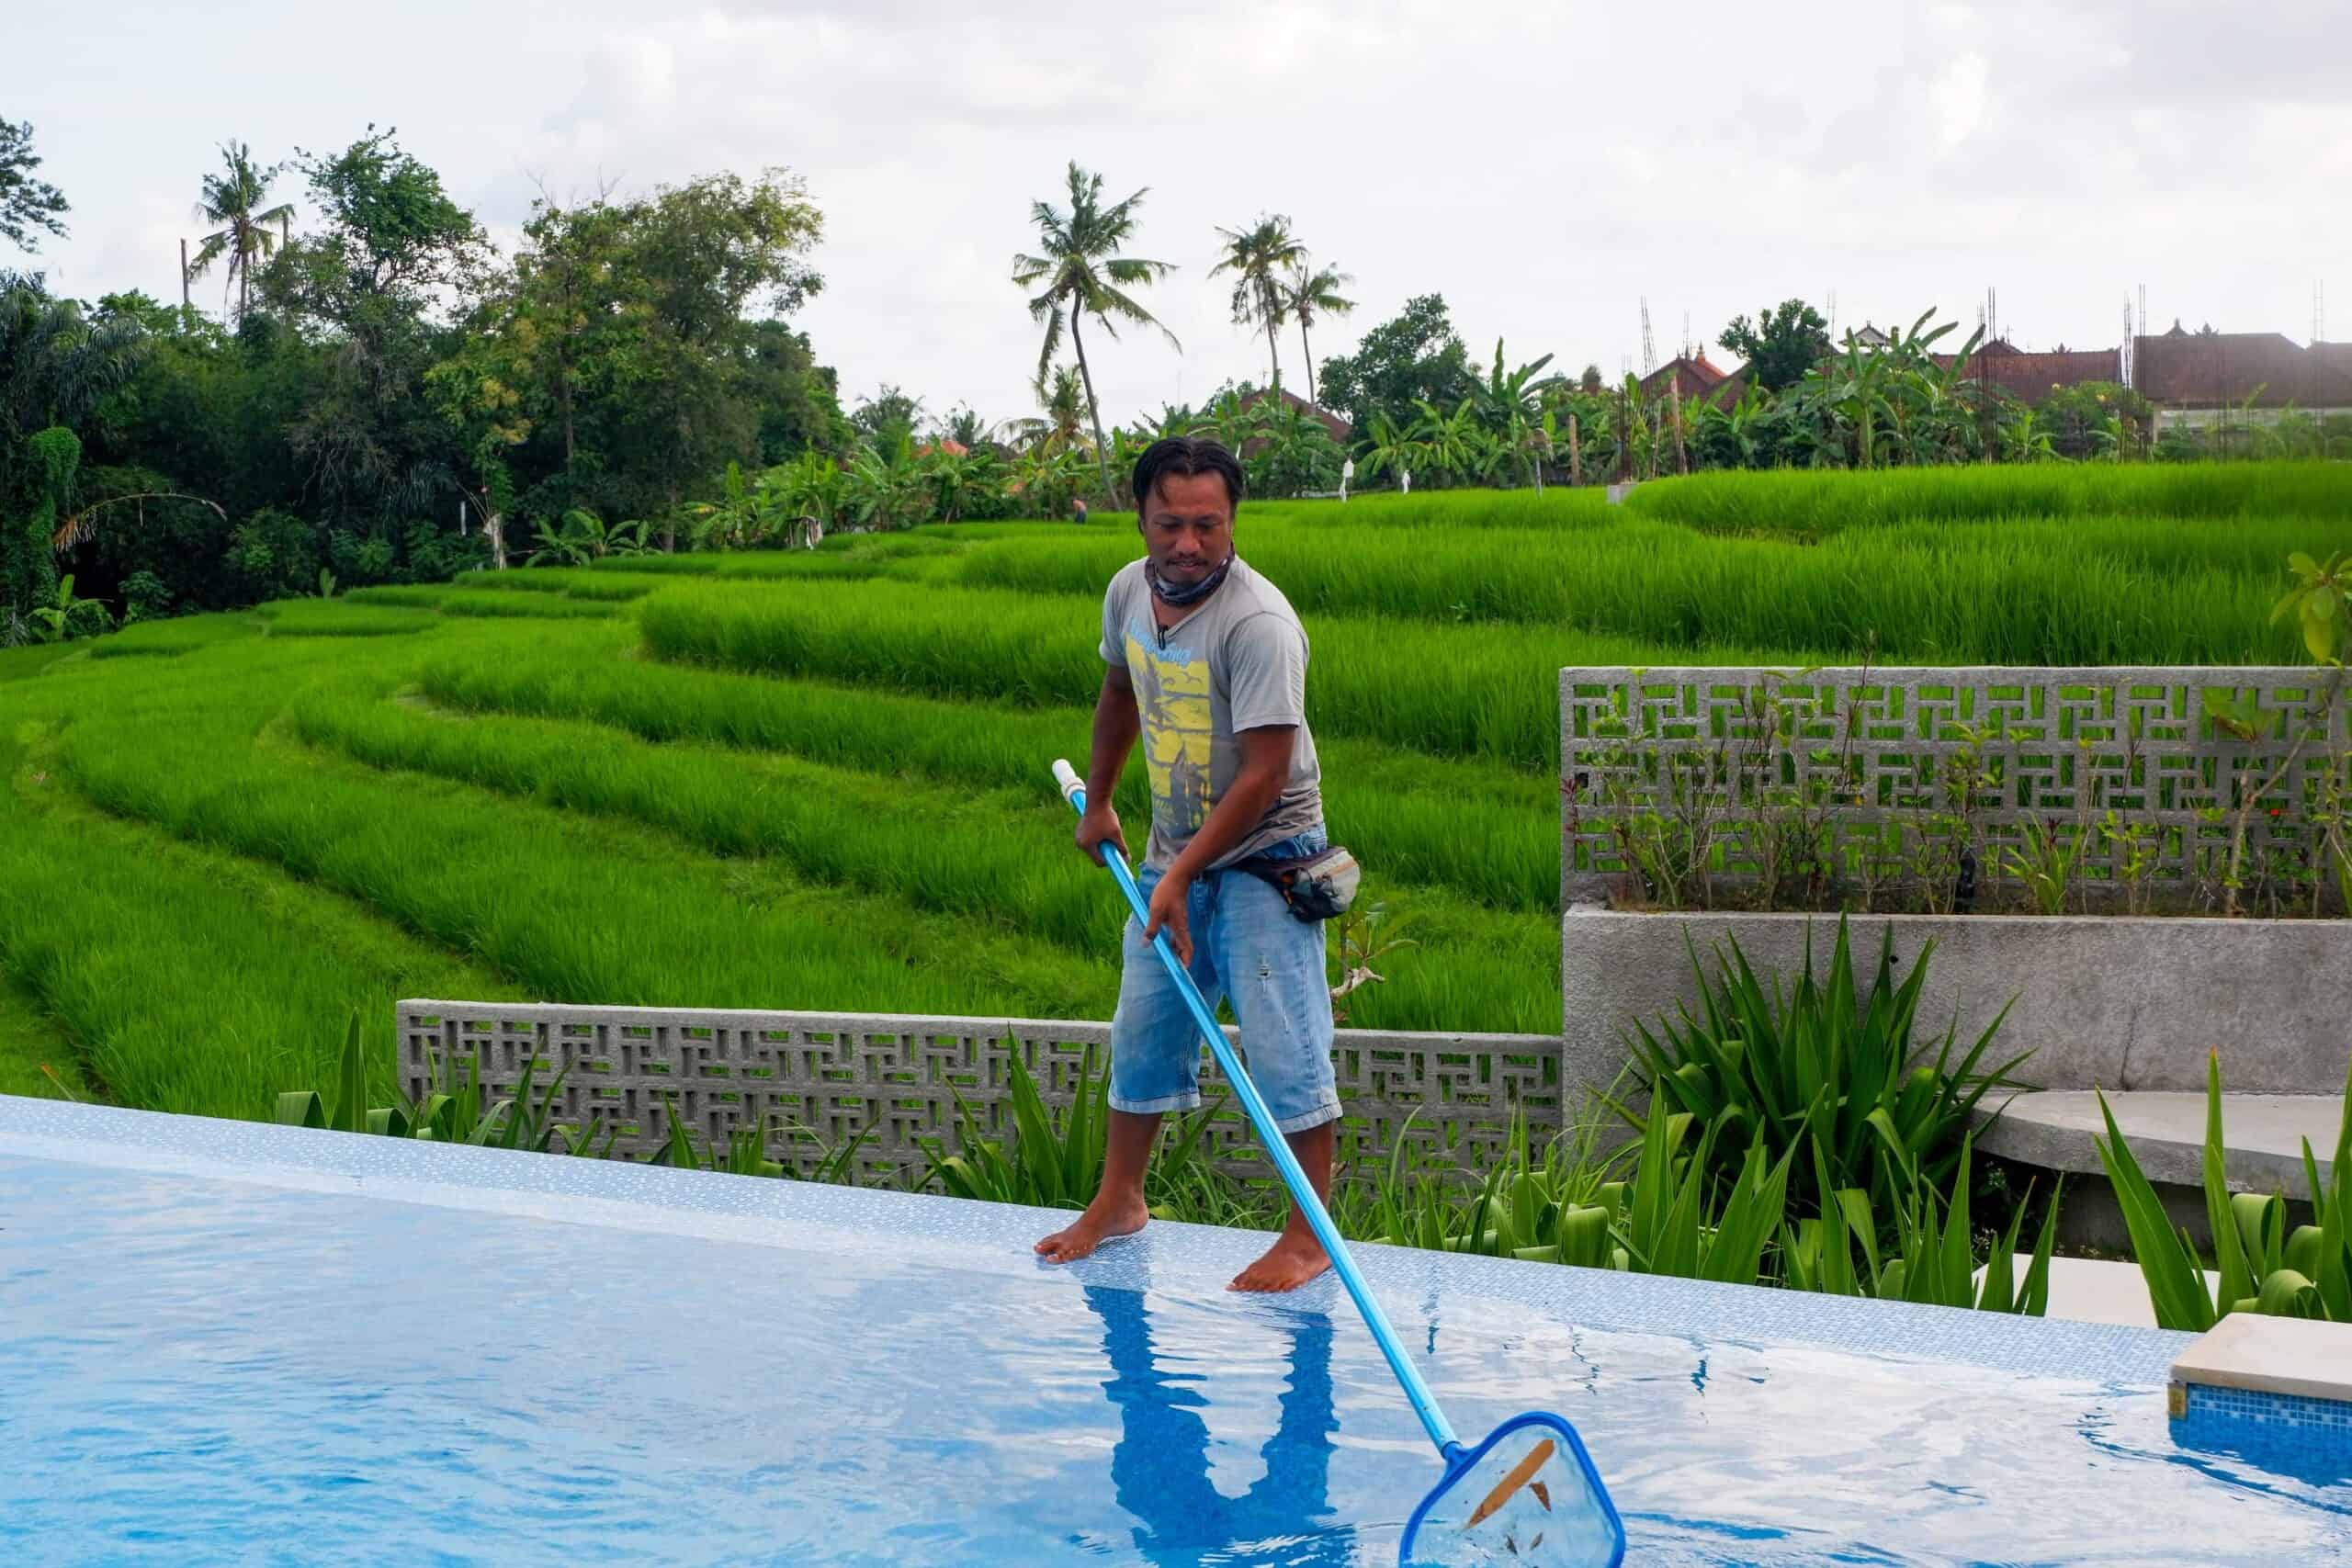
[{"x": 1161, "y": 1468}]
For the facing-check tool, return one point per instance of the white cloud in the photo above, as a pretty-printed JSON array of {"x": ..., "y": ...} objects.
[
  {"x": 1543, "y": 167},
  {"x": 1958, "y": 96}
]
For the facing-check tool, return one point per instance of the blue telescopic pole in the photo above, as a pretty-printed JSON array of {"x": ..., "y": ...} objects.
[{"x": 1302, "y": 1193}]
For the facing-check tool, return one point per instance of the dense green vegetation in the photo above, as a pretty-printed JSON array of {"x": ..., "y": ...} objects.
[{"x": 817, "y": 778}]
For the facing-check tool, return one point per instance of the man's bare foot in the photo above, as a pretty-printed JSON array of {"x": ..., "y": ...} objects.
[
  {"x": 1295, "y": 1258},
  {"x": 1104, "y": 1218}
]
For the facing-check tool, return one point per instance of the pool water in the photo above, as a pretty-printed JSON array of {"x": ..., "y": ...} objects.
[{"x": 212, "y": 1360}]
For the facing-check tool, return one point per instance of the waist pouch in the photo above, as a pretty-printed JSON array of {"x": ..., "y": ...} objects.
[{"x": 1316, "y": 887}]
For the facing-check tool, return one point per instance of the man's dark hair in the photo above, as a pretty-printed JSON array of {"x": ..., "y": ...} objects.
[{"x": 1184, "y": 455}]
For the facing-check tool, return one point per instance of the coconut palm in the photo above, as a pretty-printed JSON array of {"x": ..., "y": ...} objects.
[
  {"x": 1258, "y": 256},
  {"x": 1081, "y": 274},
  {"x": 232, "y": 199},
  {"x": 1064, "y": 420},
  {"x": 1307, "y": 294}
]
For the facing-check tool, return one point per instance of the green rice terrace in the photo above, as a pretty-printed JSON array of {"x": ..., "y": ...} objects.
[{"x": 817, "y": 780}]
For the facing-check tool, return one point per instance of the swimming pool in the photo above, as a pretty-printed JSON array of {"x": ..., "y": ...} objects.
[{"x": 222, "y": 1342}]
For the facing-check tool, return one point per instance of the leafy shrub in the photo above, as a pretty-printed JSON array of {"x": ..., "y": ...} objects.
[
  {"x": 146, "y": 597},
  {"x": 1777, "y": 1069},
  {"x": 2262, "y": 1268}
]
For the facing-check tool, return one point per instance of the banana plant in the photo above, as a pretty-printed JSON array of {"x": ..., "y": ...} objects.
[
  {"x": 2261, "y": 1266},
  {"x": 60, "y": 621},
  {"x": 1510, "y": 403},
  {"x": 1452, "y": 444},
  {"x": 586, "y": 538},
  {"x": 1389, "y": 449}
]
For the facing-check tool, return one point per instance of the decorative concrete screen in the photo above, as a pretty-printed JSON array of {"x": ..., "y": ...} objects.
[
  {"x": 820, "y": 1081},
  {"x": 1920, "y": 780}
]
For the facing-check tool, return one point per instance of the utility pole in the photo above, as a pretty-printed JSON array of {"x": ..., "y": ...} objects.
[
  {"x": 185, "y": 306},
  {"x": 1649, "y": 342}
]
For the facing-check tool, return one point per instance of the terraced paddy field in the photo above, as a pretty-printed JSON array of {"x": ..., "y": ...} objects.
[{"x": 819, "y": 780}]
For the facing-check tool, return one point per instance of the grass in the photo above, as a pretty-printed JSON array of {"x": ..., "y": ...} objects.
[
  {"x": 186, "y": 978},
  {"x": 37, "y": 1056},
  {"x": 1488, "y": 832},
  {"x": 1814, "y": 504},
  {"x": 998, "y": 857},
  {"x": 2103, "y": 591},
  {"x": 1446, "y": 690},
  {"x": 817, "y": 779}
]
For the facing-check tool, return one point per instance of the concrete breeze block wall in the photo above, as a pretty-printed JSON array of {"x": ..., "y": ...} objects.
[
  {"x": 893, "y": 1079},
  {"x": 2104, "y": 1000}
]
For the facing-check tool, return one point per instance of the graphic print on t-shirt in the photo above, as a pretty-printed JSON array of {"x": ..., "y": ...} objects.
[{"x": 1172, "y": 692}]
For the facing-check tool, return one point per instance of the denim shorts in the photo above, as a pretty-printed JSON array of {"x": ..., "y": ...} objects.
[{"x": 1249, "y": 948}]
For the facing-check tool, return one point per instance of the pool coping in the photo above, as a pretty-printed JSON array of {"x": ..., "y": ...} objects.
[{"x": 996, "y": 1237}]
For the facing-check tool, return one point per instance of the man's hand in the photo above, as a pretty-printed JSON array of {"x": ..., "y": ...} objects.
[
  {"x": 1100, "y": 823},
  {"x": 1168, "y": 908}
]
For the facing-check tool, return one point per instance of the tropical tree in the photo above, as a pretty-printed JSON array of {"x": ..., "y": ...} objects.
[
  {"x": 1454, "y": 444},
  {"x": 26, "y": 203},
  {"x": 1256, "y": 257},
  {"x": 1291, "y": 451},
  {"x": 809, "y": 488},
  {"x": 1781, "y": 344},
  {"x": 1080, "y": 273},
  {"x": 1308, "y": 294},
  {"x": 885, "y": 488},
  {"x": 1511, "y": 406},
  {"x": 960, "y": 481},
  {"x": 1062, "y": 424},
  {"x": 585, "y": 537},
  {"x": 1417, "y": 355},
  {"x": 1044, "y": 478},
  {"x": 1389, "y": 449},
  {"x": 964, "y": 427},
  {"x": 1232, "y": 419},
  {"x": 232, "y": 199}
]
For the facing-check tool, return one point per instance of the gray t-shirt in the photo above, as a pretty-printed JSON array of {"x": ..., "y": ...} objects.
[{"x": 1237, "y": 661}]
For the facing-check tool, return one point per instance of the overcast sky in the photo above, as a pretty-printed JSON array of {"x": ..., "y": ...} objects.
[{"x": 1544, "y": 167}]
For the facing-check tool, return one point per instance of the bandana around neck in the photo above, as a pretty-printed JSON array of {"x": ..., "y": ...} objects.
[{"x": 1168, "y": 594}]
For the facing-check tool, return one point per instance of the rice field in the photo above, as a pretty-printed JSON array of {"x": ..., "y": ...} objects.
[{"x": 818, "y": 779}]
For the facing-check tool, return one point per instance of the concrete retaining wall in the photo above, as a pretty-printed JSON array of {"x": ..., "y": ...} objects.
[{"x": 2104, "y": 1001}]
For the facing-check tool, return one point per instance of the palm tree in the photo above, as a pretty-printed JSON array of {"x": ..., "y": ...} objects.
[
  {"x": 232, "y": 200},
  {"x": 1080, "y": 274},
  {"x": 1257, "y": 256},
  {"x": 1306, "y": 296},
  {"x": 1065, "y": 405}
]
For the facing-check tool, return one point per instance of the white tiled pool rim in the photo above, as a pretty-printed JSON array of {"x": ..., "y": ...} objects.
[{"x": 996, "y": 1237}]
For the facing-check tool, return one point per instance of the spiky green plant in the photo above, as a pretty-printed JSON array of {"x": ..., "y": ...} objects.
[{"x": 2261, "y": 1267}]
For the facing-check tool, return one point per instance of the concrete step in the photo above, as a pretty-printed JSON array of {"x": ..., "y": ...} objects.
[
  {"x": 2166, "y": 1133},
  {"x": 2089, "y": 1290}
]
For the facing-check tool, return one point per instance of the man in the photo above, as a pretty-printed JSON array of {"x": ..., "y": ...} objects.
[
  {"x": 1206, "y": 661},
  {"x": 1078, "y": 509}
]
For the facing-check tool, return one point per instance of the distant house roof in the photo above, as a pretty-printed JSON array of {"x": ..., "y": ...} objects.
[
  {"x": 2209, "y": 369},
  {"x": 2030, "y": 378},
  {"x": 1338, "y": 427},
  {"x": 1690, "y": 375},
  {"x": 1870, "y": 336}
]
